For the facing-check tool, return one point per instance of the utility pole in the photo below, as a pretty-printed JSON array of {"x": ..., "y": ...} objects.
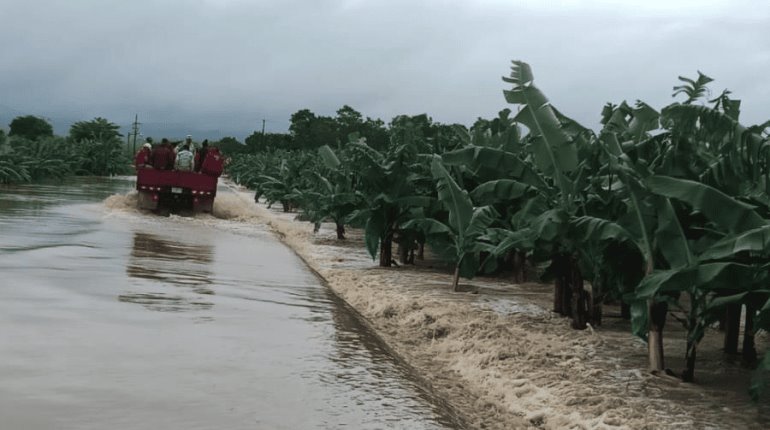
[
  {"x": 135, "y": 129},
  {"x": 263, "y": 133}
]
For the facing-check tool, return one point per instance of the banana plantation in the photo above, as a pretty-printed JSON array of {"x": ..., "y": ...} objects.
[
  {"x": 32, "y": 157},
  {"x": 665, "y": 212}
]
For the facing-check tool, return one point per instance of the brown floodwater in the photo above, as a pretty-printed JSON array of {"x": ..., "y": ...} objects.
[{"x": 115, "y": 319}]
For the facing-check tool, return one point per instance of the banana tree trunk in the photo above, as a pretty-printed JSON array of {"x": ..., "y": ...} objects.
[
  {"x": 286, "y": 206},
  {"x": 570, "y": 298},
  {"x": 689, "y": 372},
  {"x": 625, "y": 311},
  {"x": 386, "y": 250},
  {"x": 456, "y": 278},
  {"x": 558, "y": 296},
  {"x": 562, "y": 293},
  {"x": 403, "y": 252},
  {"x": 421, "y": 251},
  {"x": 732, "y": 328},
  {"x": 519, "y": 266},
  {"x": 657, "y": 312},
  {"x": 749, "y": 350},
  {"x": 562, "y": 298},
  {"x": 340, "y": 231},
  {"x": 595, "y": 300},
  {"x": 579, "y": 302}
]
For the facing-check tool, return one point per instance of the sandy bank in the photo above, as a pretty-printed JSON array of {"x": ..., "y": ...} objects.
[{"x": 500, "y": 357}]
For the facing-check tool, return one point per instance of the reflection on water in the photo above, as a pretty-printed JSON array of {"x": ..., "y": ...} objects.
[
  {"x": 164, "y": 302},
  {"x": 152, "y": 247},
  {"x": 165, "y": 261}
]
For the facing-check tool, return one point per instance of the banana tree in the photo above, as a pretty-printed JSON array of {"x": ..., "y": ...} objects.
[
  {"x": 702, "y": 268},
  {"x": 464, "y": 226},
  {"x": 333, "y": 195},
  {"x": 495, "y": 166},
  {"x": 390, "y": 183},
  {"x": 552, "y": 143},
  {"x": 10, "y": 169},
  {"x": 281, "y": 184},
  {"x": 543, "y": 188},
  {"x": 696, "y": 144},
  {"x": 246, "y": 169}
]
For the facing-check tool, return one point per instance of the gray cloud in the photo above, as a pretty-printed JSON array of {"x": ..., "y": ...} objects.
[{"x": 217, "y": 67}]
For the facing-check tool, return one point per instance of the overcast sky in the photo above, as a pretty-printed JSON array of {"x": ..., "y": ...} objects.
[{"x": 218, "y": 67}]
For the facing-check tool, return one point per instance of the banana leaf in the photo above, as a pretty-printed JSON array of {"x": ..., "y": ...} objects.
[
  {"x": 506, "y": 163},
  {"x": 373, "y": 231},
  {"x": 755, "y": 241},
  {"x": 592, "y": 229},
  {"x": 672, "y": 242},
  {"x": 428, "y": 226},
  {"x": 456, "y": 200},
  {"x": 328, "y": 157},
  {"x": 553, "y": 152},
  {"x": 727, "y": 212},
  {"x": 482, "y": 218},
  {"x": 498, "y": 190}
]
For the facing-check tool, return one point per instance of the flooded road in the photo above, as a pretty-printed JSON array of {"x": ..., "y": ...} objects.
[{"x": 114, "y": 319}]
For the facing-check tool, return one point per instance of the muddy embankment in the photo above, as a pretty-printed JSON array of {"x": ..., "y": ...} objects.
[{"x": 500, "y": 357}]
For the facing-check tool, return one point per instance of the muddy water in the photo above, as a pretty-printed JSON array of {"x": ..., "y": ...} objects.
[{"x": 110, "y": 318}]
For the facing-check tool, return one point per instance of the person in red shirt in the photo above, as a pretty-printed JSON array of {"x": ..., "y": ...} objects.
[
  {"x": 214, "y": 163},
  {"x": 200, "y": 156},
  {"x": 163, "y": 157},
  {"x": 142, "y": 159}
]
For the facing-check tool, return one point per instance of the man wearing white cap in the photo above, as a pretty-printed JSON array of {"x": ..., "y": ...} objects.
[
  {"x": 142, "y": 159},
  {"x": 187, "y": 141}
]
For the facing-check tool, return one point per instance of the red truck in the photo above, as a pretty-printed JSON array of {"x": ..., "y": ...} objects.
[{"x": 173, "y": 190}]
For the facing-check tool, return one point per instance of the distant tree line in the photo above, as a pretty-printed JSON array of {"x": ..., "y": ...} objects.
[
  {"x": 309, "y": 131},
  {"x": 96, "y": 147}
]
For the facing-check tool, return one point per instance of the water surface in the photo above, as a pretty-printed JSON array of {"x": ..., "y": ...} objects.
[{"x": 113, "y": 319}]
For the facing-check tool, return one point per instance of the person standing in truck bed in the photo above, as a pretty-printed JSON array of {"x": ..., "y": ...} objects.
[
  {"x": 200, "y": 156},
  {"x": 184, "y": 159},
  {"x": 162, "y": 157},
  {"x": 142, "y": 158}
]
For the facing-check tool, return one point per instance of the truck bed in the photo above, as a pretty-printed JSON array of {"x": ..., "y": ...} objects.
[
  {"x": 173, "y": 178},
  {"x": 171, "y": 190}
]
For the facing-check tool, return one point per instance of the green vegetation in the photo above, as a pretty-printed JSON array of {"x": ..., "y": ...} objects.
[
  {"x": 30, "y": 127},
  {"x": 32, "y": 153},
  {"x": 96, "y": 129},
  {"x": 664, "y": 211}
]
